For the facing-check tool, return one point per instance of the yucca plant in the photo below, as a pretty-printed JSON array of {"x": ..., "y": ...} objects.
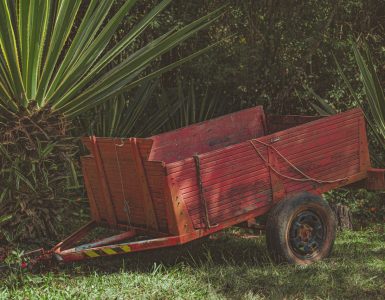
[
  {"x": 193, "y": 106},
  {"x": 52, "y": 69},
  {"x": 129, "y": 114},
  {"x": 151, "y": 110},
  {"x": 375, "y": 97},
  {"x": 373, "y": 91}
]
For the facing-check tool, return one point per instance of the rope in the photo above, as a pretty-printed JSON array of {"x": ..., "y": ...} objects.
[
  {"x": 307, "y": 177},
  {"x": 126, "y": 206}
]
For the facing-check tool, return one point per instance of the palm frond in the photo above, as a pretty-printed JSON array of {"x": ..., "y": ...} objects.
[{"x": 45, "y": 59}]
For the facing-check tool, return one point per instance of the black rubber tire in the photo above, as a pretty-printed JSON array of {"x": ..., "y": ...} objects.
[{"x": 279, "y": 224}]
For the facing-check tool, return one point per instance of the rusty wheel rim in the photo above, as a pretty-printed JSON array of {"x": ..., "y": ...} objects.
[{"x": 306, "y": 234}]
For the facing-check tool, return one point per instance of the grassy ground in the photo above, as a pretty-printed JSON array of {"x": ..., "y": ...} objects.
[{"x": 230, "y": 267}]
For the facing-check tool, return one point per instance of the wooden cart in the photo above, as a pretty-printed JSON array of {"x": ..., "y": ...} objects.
[{"x": 185, "y": 184}]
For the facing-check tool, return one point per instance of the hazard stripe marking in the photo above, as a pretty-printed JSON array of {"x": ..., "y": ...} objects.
[
  {"x": 109, "y": 251},
  {"x": 118, "y": 250},
  {"x": 91, "y": 253},
  {"x": 126, "y": 248}
]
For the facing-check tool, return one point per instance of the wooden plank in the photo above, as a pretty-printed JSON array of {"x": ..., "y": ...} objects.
[
  {"x": 251, "y": 171},
  {"x": 323, "y": 123},
  {"x": 345, "y": 169},
  {"x": 277, "y": 187},
  {"x": 315, "y": 140},
  {"x": 229, "y": 210},
  {"x": 107, "y": 201},
  {"x": 222, "y": 178},
  {"x": 222, "y": 201},
  {"x": 151, "y": 220},
  {"x": 249, "y": 157},
  {"x": 229, "y": 184},
  {"x": 179, "y": 220},
  {"x": 316, "y": 165},
  {"x": 329, "y": 147},
  {"x": 88, "y": 166},
  {"x": 207, "y": 136},
  {"x": 340, "y": 119},
  {"x": 230, "y": 213}
]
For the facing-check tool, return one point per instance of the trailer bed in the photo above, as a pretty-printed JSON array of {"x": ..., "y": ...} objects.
[{"x": 209, "y": 173}]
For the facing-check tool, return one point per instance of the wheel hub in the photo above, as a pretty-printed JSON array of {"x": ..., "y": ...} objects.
[{"x": 306, "y": 234}]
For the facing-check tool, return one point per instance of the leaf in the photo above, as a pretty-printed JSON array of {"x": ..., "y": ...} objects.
[
  {"x": 39, "y": 63},
  {"x": 9, "y": 53},
  {"x": 323, "y": 107},
  {"x": 4, "y": 219}
]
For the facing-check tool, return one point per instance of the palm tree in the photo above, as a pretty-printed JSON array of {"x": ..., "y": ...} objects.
[{"x": 53, "y": 69}]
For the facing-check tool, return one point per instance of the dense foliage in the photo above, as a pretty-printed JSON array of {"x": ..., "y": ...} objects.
[
  {"x": 57, "y": 61},
  {"x": 36, "y": 156},
  {"x": 281, "y": 46}
]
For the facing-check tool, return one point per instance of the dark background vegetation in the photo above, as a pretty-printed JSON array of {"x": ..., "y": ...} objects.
[{"x": 275, "y": 53}]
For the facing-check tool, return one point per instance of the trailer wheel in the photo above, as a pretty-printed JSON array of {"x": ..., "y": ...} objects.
[{"x": 300, "y": 230}]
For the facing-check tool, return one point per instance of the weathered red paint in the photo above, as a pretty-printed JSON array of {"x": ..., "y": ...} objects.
[{"x": 247, "y": 162}]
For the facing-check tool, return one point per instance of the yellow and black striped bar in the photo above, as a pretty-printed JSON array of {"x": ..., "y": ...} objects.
[{"x": 107, "y": 251}]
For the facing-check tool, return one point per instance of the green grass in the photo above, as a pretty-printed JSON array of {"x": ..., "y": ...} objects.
[{"x": 229, "y": 267}]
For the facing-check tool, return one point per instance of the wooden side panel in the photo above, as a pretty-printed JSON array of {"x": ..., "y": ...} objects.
[
  {"x": 124, "y": 183},
  {"x": 183, "y": 174},
  {"x": 316, "y": 157},
  {"x": 208, "y": 136},
  {"x": 327, "y": 150},
  {"x": 93, "y": 190},
  {"x": 235, "y": 181}
]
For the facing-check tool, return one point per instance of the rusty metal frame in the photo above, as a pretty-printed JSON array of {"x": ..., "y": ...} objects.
[
  {"x": 114, "y": 248},
  {"x": 76, "y": 236},
  {"x": 108, "y": 240}
]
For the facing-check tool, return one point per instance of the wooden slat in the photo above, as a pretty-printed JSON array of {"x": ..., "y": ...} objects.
[
  {"x": 208, "y": 136},
  {"x": 88, "y": 167}
]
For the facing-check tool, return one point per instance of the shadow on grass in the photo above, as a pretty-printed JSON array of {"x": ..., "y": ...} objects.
[
  {"x": 236, "y": 267},
  {"x": 225, "y": 250},
  {"x": 239, "y": 267}
]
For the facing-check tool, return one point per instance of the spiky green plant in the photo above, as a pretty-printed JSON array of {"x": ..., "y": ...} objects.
[
  {"x": 373, "y": 90},
  {"x": 193, "y": 107},
  {"x": 129, "y": 114},
  {"x": 52, "y": 69}
]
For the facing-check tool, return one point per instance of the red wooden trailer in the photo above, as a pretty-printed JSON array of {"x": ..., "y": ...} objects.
[{"x": 178, "y": 186}]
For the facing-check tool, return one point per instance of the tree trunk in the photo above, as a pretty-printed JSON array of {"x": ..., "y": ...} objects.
[{"x": 343, "y": 216}]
